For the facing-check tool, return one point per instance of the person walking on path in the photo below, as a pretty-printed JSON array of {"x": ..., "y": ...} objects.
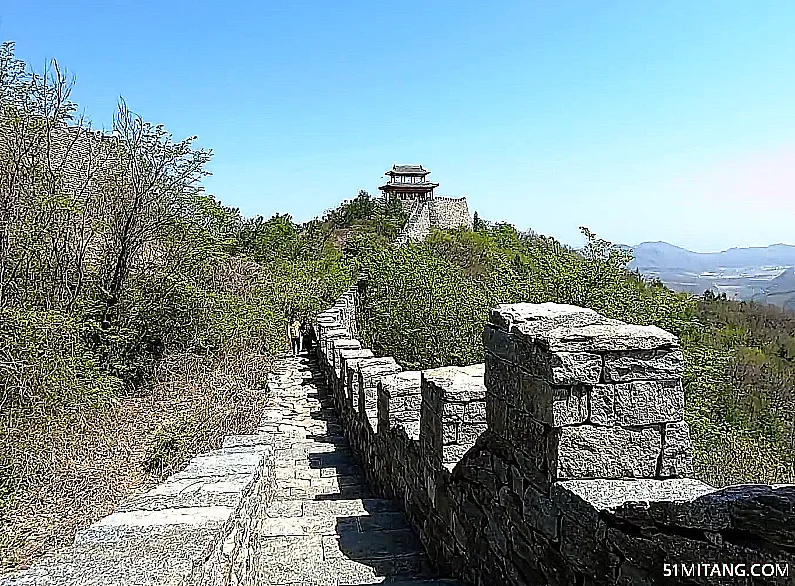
[
  {"x": 307, "y": 336},
  {"x": 304, "y": 336},
  {"x": 295, "y": 336}
]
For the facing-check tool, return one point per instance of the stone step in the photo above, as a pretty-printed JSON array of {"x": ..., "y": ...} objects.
[
  {"x": 321, "y": 488},
  {"x": 323, "y": 526},
  {"x": 291, "y": 523},
  {"x": 190, "y": 529},
  {"x": 320, "y": 561},
  {"x": 370, "y": 545}
]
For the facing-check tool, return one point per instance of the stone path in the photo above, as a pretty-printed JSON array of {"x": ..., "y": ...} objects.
[{"x": 323, "y": 526}]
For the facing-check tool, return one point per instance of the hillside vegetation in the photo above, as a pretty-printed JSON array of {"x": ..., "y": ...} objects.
[
  {"x": 138, "y": 315},
  {"x": 427, "y": 304}
]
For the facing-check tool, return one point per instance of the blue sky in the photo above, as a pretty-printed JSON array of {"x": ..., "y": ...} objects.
[{"x": 643, "y": 121}]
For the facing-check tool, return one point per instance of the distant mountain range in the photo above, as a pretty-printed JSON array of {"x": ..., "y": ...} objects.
[{"x": 763, "y": 274}]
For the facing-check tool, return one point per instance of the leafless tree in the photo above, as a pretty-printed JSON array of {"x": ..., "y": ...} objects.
[
  {"x": 49, "y": 160},
  {"x": 155, "y": 189}
]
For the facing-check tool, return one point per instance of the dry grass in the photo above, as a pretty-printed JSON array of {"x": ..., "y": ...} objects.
[
  {"x": 80, "y": 467},
  {"x": 725, "y": 457}
]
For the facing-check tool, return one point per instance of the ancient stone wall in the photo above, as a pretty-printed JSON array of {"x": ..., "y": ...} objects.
[
  {"x": 450, "y": 212},
  {"x": 561, "y": 460},
  {"x": 438, "y": 212},
  {"x": 418, "y": 224},
  {"x": 194, "y": 529}
]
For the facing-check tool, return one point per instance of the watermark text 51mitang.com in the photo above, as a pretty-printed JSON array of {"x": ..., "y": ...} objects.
[{"x": 724, "y": 570}]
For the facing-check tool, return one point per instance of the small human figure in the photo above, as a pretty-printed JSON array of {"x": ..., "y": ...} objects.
[
  {"x": 312, "y": 336},
  {"x": 310, "y": 340},
  {"x": 306, "y": 343},
  {"x": 295, "y": 336}
]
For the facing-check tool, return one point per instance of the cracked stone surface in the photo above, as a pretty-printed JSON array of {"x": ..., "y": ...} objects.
[{"x": 323, "y": 526}]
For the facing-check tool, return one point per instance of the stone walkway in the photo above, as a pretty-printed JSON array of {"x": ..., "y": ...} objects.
[{"x": 323, "y": 526}]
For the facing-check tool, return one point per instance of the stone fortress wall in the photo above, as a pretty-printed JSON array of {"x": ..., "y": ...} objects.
[
  {"x": 418, "y": 223},
  {"x": 561, "y": 460},
  {"x": 435, "y": 212},
  {"x": 449, "y": 212},
  {"x": 564, "y": 459}
]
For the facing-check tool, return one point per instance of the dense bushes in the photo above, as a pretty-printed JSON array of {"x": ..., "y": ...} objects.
[
  {"x": 440, "y": 291},
  {"x": 43, "y": 360},
  {"x": 122, "y": 284},
  {"x": 421, "y": 311},
  {"x": 378, "y": 216},
  {"x": 427, "y": 304},
  {"x": 756, "y": 391},
  {"x": 47, "y": 372}
]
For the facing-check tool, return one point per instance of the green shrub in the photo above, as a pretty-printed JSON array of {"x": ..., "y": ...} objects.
[
  {"x": 45, "y": 365},
  {"x": 427, "y": 304},
  {"x": 174, "y": 442},
  {"x": 47, "y": 372},
  {"x": 420, "y": 310}
]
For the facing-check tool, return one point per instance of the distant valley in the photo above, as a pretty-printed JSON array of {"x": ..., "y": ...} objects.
[{"x": 762, "y": 274}]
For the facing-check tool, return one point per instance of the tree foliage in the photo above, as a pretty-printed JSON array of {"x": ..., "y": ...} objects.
[
  {"x": 113, "y": 259},
  {"x": 427, "y": 304}
]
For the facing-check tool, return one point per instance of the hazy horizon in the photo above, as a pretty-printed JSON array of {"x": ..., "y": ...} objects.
[
  {"x": 705, "y": 251},
  {"x": 671, "y": 122}
]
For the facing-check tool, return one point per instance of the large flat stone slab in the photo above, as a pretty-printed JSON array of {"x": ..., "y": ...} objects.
[
  {"x": 372, "y": 544},
  {"x": 95, "y": 568}
]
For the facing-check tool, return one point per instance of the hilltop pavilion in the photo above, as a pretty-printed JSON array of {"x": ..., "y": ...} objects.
[{"x": 408, "y": 182}]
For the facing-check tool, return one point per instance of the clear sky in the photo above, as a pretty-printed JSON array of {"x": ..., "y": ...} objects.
[{"x": 642, "y": 120}]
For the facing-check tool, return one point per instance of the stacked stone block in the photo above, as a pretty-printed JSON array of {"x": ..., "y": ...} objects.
[
  {"x": 337, "y": 348},
  {"x": 418, "y": 224},
  {"x": 396, "y": 441},
  {"x": 335, "y": 332},
  {"x": 437, "y": 212},
  {"x": 561, "y": 461},
  {"x": 600, "y": 398},
  {"x": 450, "y": 212},
  {"x": 348, "y": 359},
  {"x": 369, "y": 373},
  {"x": 399, "y": 401},
  {"x": 364, "y": 418},
  {"x": 337, "y": 345},
  {"x": 453, "y": 412},
  {"x": 325, "y": 321}
]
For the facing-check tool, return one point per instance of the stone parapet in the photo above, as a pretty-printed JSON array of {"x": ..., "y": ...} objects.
[
  {"x": 194, "y": 528},
  {"x": 453, "y": 412},
  {"x": 600, "y": 398},
  {"x": 399, "y": 400},
  {"x": 563, "y": 459},
  {"x": 348, "y": 359},
  {"x": 336, "y": 346},
  {"x": 435, "y": 212}
]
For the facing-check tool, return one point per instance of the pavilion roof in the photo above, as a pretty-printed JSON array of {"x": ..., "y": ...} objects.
[
  {"x": 407, "y": 170},
  {"x": 400, "y": 186}
]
